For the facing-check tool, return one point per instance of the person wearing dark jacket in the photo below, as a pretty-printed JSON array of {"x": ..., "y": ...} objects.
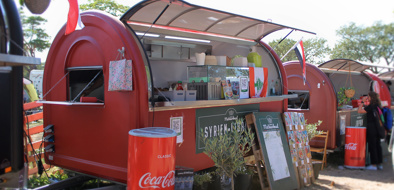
[{"x": 373, "y": 140}]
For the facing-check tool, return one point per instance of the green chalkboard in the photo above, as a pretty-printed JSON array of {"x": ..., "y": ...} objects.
[
  {"x": 276, "y": 153},
  {"x": 217, "y": 121}
]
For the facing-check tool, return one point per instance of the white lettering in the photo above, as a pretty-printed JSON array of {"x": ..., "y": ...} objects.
[
  {"x": 214, "y": 130},
  {"x": 351, "y": 146},
  {"x": 146, "y": 181},
  {"x": 225, "y": 128},
  {"x": 164, "y": 156}
]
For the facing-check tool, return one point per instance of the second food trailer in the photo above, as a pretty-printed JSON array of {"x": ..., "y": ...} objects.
[{"x": 317, "y": 99}]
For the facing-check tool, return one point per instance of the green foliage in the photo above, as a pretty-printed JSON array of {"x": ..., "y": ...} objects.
[
  {"x": 34, "y": 38},
  {"x": 108, "y": 6},
  {"x": 369, "y": 44},
  {"x": 342, "y": 98},
  {"x": 227, "y": 150},
  {"x": 200, "y": 179},
  {"x": 311, "y": 129},
  {"x": 37, "y": 181},
  {"x": 316, "y": 49}
]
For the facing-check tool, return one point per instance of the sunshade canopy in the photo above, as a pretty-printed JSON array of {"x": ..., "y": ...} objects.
[
  {"x": 163, "y": 15},
  {"x": 387, "y": 75},
  {"x": 344, "y": 65},
  {"x": 350, "y": 65}
]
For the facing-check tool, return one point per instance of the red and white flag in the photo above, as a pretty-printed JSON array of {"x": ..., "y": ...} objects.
[
  {"x": 299, "y": 51},
  {"x": 74, "y": 21}
]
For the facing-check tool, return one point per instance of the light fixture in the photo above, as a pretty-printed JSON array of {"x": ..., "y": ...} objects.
[
  {"x": 187, "y": 39},
  {"x": 148, "y": 34}
]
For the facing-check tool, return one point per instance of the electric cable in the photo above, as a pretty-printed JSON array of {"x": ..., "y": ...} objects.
[{"x": 35, "y": 156}]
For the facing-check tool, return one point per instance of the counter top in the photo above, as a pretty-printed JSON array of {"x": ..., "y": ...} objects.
[
  {"x": 164, "y": 106},
  {"x": 347, "y": 110}
]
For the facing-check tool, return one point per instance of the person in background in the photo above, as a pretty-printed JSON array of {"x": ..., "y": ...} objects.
[
  {"x": 388, "y": 84},
  {"x": 373, "y": 140}
]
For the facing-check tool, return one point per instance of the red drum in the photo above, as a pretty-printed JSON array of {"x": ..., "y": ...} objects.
[
  {"x": 355, "y": 143},
  {"x": 151, "y": 160}
]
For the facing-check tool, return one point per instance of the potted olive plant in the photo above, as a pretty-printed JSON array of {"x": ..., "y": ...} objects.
[{"x": 228, "y": 150}]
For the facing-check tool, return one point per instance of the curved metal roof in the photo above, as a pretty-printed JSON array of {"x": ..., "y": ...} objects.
[{"x": 163, "y": 15}]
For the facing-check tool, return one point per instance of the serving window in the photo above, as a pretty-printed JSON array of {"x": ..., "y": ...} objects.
[
  {"x": 86, "y": 84},
  {"x": 299, "y": 102}
]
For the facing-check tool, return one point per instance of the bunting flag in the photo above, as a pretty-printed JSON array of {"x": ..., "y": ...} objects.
[
  {"x": 74, "y": 21},
  {"x": 299, "y": 51}
]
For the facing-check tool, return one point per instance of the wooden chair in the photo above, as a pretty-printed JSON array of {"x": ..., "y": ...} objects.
[{"x": 323, "y": 150}]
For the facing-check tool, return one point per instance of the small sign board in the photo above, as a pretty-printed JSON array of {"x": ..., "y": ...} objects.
[{"x": 275, "y": 150}]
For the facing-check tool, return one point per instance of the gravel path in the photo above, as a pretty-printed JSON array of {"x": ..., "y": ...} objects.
[{"x": 336, "y": 177}]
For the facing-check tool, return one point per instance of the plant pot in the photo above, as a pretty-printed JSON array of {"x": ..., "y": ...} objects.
[
  {"x": 350, "y": 93},
  {"x": 37, "y": 6},
  {"x": 220, "y": 183},
  {"x": 316, "y": 168},
  {"x": 201, "y": 187},
  {"x": 243, "y": 181}
]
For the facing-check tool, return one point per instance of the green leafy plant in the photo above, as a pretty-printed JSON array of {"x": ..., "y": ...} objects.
[
  {"x": 342, "y": 98},
  {"x": 311, "y": 129},
  {"x": 228, "y": 150},
  {"x": 200, "y": 179},
  {"x": 37, "y": 181}
]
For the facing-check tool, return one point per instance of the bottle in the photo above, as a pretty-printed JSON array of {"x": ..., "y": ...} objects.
[
  {"x": 179, "y": 86},
  {"x": 276, "y": 88},
  {"x": 272, "y": 87}
]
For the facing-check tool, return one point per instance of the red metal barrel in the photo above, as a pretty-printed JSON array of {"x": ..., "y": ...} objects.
[
  {"x": 151, "y": 158},
  {"x": 355, "y": 143}
]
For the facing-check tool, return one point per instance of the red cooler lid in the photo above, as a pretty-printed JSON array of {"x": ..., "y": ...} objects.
[{"x": 153, "y": 132}]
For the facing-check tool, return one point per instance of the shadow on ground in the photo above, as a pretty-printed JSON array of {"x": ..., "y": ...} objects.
[{"x": 335, "y": 176}]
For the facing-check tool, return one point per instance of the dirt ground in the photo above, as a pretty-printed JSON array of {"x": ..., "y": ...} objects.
[{"x": 335, "y": 176}]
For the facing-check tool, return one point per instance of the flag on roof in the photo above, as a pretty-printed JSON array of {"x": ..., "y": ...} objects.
[
  {"x": 74, "y": 21},
  {"x": 299, "y": 51}
]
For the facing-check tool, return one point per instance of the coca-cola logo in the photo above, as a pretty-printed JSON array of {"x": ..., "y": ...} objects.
[
  {"x": 351, "y": 146},
  {"x": 149, "y": 181}
]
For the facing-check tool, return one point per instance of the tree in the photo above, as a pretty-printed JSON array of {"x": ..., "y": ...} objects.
[
  {"x": 108, "y": 6},
  {"x": 370, "y": 44},
  {"x": 34, "y": 37},
  {"x": 316, "y": 49}
]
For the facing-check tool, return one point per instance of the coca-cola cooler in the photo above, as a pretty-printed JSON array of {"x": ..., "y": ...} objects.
[
  {"x": 355, "y": 143},
  {"x": 151, "y": 158}
]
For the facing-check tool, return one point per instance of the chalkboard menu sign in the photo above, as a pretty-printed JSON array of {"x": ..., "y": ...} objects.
[
  {"x": 275, "y": 149},
  {"x": 216, "y": 121}
]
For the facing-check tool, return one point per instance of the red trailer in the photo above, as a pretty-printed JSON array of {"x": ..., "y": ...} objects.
[
  {"x": 320, "y": 89},
  {"x": 388, "y": 78},
  {"x": 161, "y": 38}
]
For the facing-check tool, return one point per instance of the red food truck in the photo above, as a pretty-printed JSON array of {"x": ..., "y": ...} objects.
[
  {"x": 318, "y": 100},
  {"x": 161, "y": 38}
]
